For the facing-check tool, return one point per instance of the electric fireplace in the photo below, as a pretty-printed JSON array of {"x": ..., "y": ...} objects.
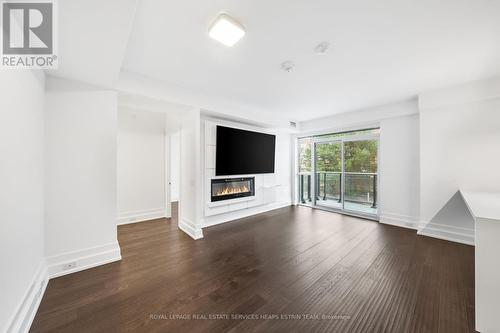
[{"x": 231, "y": 188}]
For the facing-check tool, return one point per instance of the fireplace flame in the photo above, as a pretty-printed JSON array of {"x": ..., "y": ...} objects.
[{"x": 232, "y": 190}]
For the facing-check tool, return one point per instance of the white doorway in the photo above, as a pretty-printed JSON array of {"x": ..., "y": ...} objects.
[{"x": 148, "y": 146}]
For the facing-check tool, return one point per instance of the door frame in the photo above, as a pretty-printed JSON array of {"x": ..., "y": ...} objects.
[{"x": 342, "y": 140}]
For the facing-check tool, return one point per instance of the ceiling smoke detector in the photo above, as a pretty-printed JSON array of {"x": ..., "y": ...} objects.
[
  {"x": 287, "y": 66},
  {"x": 321, "y": 48}
]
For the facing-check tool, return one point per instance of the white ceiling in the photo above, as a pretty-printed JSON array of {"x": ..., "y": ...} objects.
[
  {"x": 92, "y": 37},
  {"x": 381, "y": 51}
]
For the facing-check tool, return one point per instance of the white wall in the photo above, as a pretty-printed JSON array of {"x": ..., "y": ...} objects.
[
  {"x": 271, "y": 190},
  {"x": 190, "y": 181},
  {"x": 399, "y": 171},
  {"x": 175, "y": 161},
  {"x": 80, "y": 174},
  {"x": 141, "y": 165},
  {"x": 21, "y": 196},
  {"x": 460, "y": 149},
  {"x": 359, "y": 119},
  {"x": 459, "y": 145}
]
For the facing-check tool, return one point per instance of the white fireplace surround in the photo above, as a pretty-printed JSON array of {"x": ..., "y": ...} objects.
[{"x": 271, "y": 190}]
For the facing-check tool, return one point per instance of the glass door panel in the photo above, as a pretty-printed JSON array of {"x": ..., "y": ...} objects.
[
  {"x": 328, "y": 174},
  {"x": 304, "y": 171},
  {"x": 360, "y": 173}
]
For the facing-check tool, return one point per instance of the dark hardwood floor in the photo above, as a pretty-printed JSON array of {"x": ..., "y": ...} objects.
[{"x": 335, "y": 273}]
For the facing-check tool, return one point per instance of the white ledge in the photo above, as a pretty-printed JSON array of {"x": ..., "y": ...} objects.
[
  {"x": 230, "y": 201},
  {"x": 271, "y": 186},
  {"x": 483, "y": 205}
]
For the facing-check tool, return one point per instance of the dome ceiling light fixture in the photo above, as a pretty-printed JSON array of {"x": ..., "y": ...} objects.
[{"x": 226, "y": 30}]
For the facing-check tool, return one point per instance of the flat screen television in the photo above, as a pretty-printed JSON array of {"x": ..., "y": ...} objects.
[{"x": 240, "y": 152}]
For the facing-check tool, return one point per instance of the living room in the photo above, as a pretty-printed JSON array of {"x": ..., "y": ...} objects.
[{"x": 225, "y": 166}]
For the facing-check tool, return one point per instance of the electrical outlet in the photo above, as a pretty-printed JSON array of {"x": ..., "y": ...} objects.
[{"x": 69, "y": 265}]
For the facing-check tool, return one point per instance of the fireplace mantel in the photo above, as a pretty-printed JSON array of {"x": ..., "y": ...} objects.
[{"x": 270, "y": 191}]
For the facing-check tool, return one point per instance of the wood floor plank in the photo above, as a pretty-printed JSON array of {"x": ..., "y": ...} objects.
[
  {"x": 453, "y": 303},
  {"x": 324, "y": 295},
  {"x": 425, "y": 317},
  {"x": 289, "y": 261}
]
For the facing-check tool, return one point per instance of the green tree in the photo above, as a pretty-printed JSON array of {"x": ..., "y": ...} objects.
[
  {"x": 328, "y": 157},
  {"x": 305, "y": 155},
  {"x": 360, "y": 156}
]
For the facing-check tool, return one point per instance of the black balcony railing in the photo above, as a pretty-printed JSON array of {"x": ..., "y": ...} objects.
[
  {"x": 329, "y": 185},
  {"x": 359, "y": 188},
  {"x": 305, "y": 188}
]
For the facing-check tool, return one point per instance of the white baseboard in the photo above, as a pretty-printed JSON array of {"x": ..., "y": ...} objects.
[
  {"x": 399, "y": 220},
  {"x": 231, "y": 216},
  {"x": 448, "y": 232},
  {"x": 190, "y": 228},
  {"x": 26, "y": 310},
  {"x": 54, "y": 267},
  {"x": 435, "y": 230},
  {"x": 83, "y": 259},
  {"x": 140, "y": 216}
]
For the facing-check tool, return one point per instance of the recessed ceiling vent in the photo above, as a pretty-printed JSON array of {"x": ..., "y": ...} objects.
[{"x": 293, "y": 124}]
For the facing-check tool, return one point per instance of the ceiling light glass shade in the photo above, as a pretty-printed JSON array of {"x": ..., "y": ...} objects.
[{"x": 226, "y": 30}]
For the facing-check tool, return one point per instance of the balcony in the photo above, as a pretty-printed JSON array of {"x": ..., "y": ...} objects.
[{"x": 360, "y": 191}]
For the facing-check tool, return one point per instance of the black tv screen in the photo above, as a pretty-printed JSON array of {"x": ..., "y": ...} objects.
[{"x": 240, "y": 152}]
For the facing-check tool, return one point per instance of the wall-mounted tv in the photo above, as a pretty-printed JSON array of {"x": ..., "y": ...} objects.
[{"x": 240, "y": 152}]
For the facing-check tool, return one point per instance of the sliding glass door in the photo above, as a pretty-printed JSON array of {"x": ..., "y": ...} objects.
[
  {"x": 340, "y": 172},
  {"x": 360, "y": 170}
]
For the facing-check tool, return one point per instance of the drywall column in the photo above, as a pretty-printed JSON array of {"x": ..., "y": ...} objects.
[
  {"x": 80, "y": 169},
  {"x": 399, "y": 171},
  {"x": 190, "y": 180},
  {"x": 23, "y": 276}
]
